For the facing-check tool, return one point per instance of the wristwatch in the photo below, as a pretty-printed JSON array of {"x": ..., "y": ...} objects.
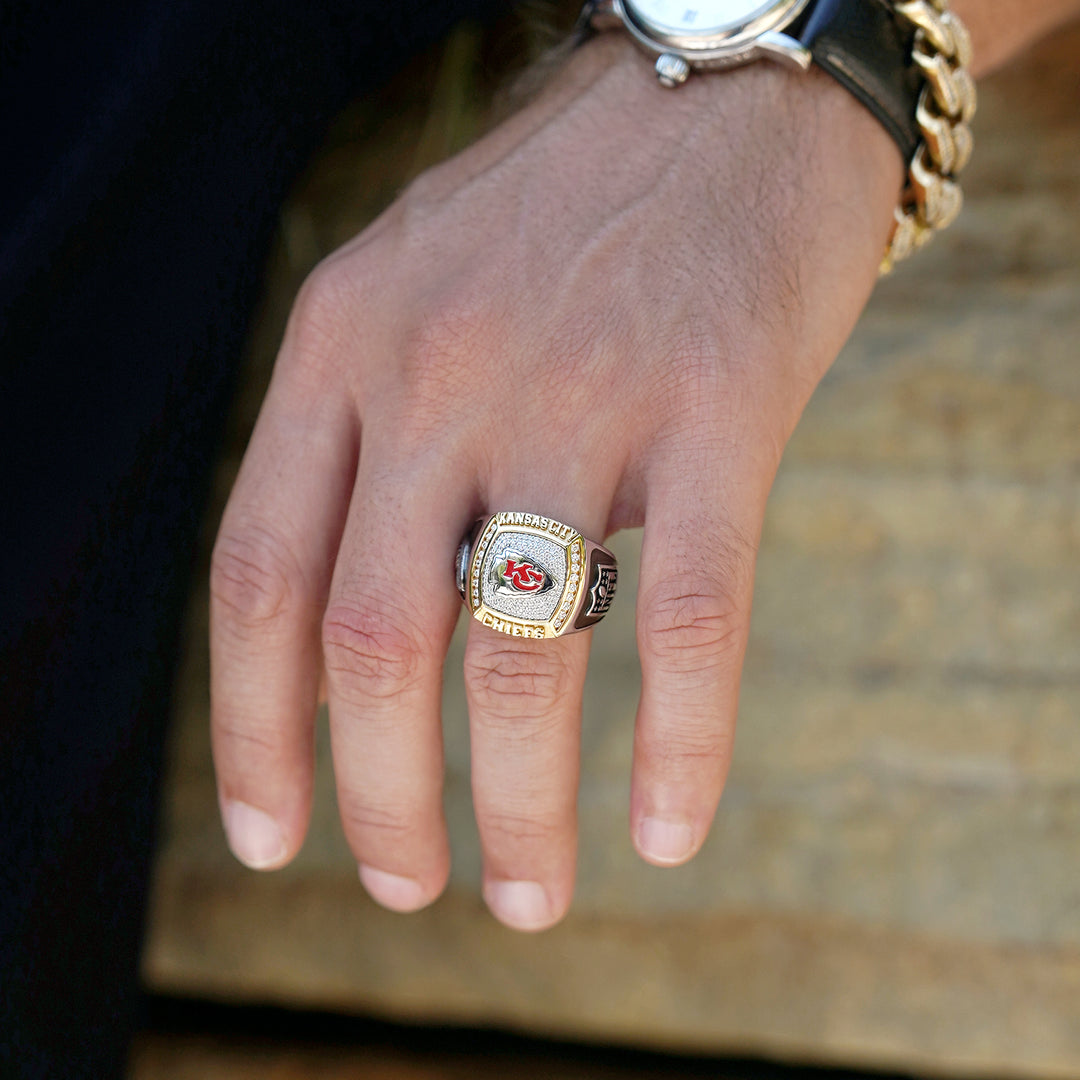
[{"x": 907, "y": 62}]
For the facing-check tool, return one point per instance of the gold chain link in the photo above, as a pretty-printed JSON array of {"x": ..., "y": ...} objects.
[{"x": 932, "y": 197}]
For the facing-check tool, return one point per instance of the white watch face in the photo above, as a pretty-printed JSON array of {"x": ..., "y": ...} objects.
[{"x": 705, "y": 17}]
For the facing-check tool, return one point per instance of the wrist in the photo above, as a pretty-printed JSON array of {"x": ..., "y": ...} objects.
[
  {"x": 908, "y": 64},
  {"x": 801, "y": 126}
]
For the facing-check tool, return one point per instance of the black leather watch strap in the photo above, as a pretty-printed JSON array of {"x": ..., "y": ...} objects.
[{"x": 864, "y": 46}]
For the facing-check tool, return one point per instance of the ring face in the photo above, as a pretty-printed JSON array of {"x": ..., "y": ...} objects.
[{"x": 531, "y": 576}]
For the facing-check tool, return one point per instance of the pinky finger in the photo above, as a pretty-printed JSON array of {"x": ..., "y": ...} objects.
[{"x": 692, "y": 624}]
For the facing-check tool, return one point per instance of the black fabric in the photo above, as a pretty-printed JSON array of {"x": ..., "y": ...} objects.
[
  {"x": 147, "y": 145},
  {"x": 863, "y": 45}
]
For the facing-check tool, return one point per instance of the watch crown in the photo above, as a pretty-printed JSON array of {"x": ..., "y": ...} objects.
[{"x": 671, "y": 70}]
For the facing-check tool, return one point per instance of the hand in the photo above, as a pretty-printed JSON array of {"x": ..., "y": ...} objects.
[{"x": 611, "y": 311}]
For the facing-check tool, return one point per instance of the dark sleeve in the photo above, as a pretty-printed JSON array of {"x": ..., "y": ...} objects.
[{"x": 146, "y": 149}]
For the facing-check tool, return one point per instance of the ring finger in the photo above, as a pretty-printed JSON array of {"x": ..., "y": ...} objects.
[{"x": 525, "y": 719}]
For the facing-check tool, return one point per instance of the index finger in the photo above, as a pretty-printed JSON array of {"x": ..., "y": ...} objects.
[{"x": 269, "y": 579}]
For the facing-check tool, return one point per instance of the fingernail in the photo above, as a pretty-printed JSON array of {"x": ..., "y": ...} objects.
[
  {"x": 524, "y": 905},
  {"x": 392, "y": 890},
  {"x": 664, "y": 841},
  {"x": 253, "y": 835}
]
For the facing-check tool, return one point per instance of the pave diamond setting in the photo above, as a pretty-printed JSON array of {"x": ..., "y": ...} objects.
[{"x": 530, "y": 576}]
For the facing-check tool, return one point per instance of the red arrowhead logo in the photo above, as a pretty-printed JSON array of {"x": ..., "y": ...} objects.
[{"x": 519, "y": 574}]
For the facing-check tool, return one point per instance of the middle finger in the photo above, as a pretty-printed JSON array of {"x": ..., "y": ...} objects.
[{"x": 385, "y": 632}]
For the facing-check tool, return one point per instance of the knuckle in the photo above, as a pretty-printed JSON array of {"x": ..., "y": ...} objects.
[
  {"x": 515, "y": 830},
  {"x": 697, "y": 622},
  {"x": 685, "y": 748},
  {"x": 696, "y": 355},
  {"x": 440, "y": 356},
  {"x": 320, "y": 312},
  {"x": 253, "y": 578},
  {"x": 423, "y": 197},
  {"x": 515, "y": 682},
  {"x": 359, "y": 817},
  {"x": 370, "y": 650},
  {"x": 581, "y": 347},
  {"x": 445, "y": 342},
  {"x": 247, "y": 752},
  {"x": 720, "y": 396},
  {"x": 684, "y": 623},
  {"x": 244, "y": 738}
]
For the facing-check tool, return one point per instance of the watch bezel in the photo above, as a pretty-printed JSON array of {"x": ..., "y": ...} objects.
[{"x": 697, "y": 47}]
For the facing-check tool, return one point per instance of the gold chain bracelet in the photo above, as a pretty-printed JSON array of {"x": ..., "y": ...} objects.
[{"x": 932, "y": 197}]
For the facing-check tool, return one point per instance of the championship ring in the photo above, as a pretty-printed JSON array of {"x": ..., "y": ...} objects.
[{"x": 531, "y": 576}]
